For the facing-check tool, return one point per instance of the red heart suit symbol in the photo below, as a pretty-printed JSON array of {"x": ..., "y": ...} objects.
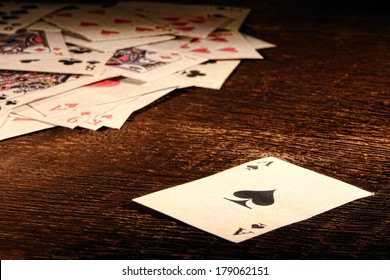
[
  {"x": 189, "y": 28},
  {"x": 228, "y": 50},
  {"x": 171, "y": 18},
  {"x": 141, "y": 29},
  {"x": 64, "y": 14},
  {"x": 106, "y": 83},
  {"x": 87, "y": 24},
  {"x": 108, "y": 32},
  {"x": 99, "y": 12},
  {"x": 121, "y": 21},
  {"x": 201, "y": 50}
]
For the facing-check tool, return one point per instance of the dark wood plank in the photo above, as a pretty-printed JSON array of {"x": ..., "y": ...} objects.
[{"x": 319, "y": 100}]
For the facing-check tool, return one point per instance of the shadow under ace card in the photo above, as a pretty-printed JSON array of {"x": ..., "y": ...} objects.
[{"x": 252, "y": 198}]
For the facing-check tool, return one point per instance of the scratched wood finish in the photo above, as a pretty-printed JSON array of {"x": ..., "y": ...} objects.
[{"x": 320, "y": 100}]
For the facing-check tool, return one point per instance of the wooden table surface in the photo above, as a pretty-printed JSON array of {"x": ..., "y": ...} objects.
[{"x": 319, "y": 100}]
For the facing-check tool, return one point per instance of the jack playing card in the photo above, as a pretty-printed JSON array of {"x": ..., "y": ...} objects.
[{"x": 252, "y": 198}]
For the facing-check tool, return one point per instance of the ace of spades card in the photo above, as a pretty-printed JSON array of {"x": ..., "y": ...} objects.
[{"x": 252, "y": 198}]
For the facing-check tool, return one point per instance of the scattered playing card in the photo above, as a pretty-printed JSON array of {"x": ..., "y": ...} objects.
[
  {"x": 16, "y": 16},
  {"x": 18, "y": 125},
  {"x": 112, "y": 46},
  {"x": 20, "y": 88},
  {"x": 42, "y": 25},
  {"x": 147, "y": 63},
  {"x": 16, "y": 84},
  {"x": 79, "y": 62},
  {"x": 252, "y": 198},
  {"x": 218, "y": 45},
  {"x": 258, "y": 44},
  {"x": 210, "y": 74},
  {"x": 233, "y": 17},
  {"x": 102, "y": 92},
  {"x": 125, "y": 109},
  {"x": 96, "y": 23},
  {"x": 32, "y": 44}
]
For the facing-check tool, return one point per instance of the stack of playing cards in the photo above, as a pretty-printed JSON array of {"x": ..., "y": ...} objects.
[{"x": 91, "y": 66}]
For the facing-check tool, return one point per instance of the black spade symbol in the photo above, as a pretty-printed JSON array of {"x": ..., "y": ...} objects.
[{"x": 261, "y": 198}]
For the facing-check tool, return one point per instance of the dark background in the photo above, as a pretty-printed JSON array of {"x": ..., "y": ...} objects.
[{"x": 319, "y": 100}]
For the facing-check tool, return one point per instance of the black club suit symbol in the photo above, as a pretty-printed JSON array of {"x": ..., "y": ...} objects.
[
  {"x": 194, "y": 73},
  {"x": 80, "y": 50},
  {"x": 11, "y": 102},
  {"x": 28, "y": 60},
  {"x": 70, "y": 61},
  {"x": 93, "y": 62}
]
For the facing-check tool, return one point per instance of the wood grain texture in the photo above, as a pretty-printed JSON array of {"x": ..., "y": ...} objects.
[{"x": 319, "y": 100}]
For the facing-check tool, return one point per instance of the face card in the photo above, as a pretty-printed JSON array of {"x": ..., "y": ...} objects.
[
  {"x": 15, "y": 84},
  {"x": 32, "y": 44},
  {"x": 252, "y": 198},
  {"x": 96, "y": 23},
  {"x": 20, "y": 87},
  {"x": 112, "y": 46},
  {"x": 210, "y": 74},
  {"x": 15, "y": 16},
  {"x": 147, "y": 63},
  {"x": 218, "y": 45}
]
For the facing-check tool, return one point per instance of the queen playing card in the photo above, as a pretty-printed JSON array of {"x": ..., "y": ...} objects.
[{"x": 252, "y": 198}]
